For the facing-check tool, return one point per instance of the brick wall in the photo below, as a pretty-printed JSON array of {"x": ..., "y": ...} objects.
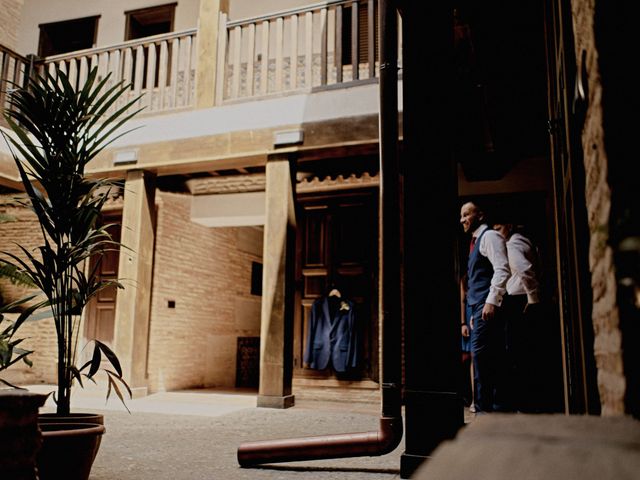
[
  {"x": 606, "y": 321},
  {"x": 206, "y": 272},
  {"x": 40, "y": 335},
  {"x": 10, "y": 11}
]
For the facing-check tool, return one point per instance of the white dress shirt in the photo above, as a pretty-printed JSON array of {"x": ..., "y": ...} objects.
[
  {"x": 493, "y": 246},
  {"x": 522, "y": 263}
]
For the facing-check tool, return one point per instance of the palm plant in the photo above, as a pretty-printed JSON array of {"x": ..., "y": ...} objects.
[{"x": 57, "y": 130}]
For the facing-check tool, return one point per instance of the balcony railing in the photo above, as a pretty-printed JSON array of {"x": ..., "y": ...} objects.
[
  {"x": 162, "y": 68},
  {"x": 14, "y": 73},
  {"x": 327, "y": 44},
  {"x": 324, "y": 44}
]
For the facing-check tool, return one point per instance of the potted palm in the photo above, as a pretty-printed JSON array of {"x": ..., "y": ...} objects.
[{"x": 57, "y": 129}]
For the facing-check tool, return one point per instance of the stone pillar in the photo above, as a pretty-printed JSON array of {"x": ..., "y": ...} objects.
[
  {"x": 206, "y": 74},
  {"x": 276, "y": 332},
  {"x": 134, "y": 269},
  {"x": 20, "y": 438}
]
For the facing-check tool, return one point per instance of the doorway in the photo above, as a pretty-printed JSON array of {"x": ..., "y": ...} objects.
[
  {"x": 337, "y": 248},
  {"x": 101, "y": 309}
]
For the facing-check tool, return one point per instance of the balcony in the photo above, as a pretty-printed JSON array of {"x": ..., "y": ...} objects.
[
  {"x": 160, "y": 68},
  {"x": 14, "y": 71},
  {"x": 322, "y": 46}
]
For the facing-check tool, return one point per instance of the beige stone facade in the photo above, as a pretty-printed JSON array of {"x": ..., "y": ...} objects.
[{"x": 10, "y": 14}]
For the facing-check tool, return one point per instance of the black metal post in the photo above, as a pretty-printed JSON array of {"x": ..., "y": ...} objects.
[{"x": 434, "y": 409}]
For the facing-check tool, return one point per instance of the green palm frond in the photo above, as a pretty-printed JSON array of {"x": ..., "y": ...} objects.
[{"x": 57, "y": 130}]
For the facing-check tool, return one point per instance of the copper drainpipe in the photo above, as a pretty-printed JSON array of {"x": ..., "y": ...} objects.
[{"x": 387, "y": 438}]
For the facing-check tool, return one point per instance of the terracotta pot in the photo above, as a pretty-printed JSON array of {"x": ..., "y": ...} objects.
[
  {"x": 68, "y": 450},
  {"x": 71, "y": 418}
]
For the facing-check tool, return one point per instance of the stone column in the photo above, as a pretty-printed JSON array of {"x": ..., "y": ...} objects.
[
  {"x": 276, "y": 332},
  {"x": 134, "y": 269},
  {"x": 206, "y": 74}
]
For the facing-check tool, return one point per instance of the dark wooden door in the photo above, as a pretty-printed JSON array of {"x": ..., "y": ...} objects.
[
  {"x": 100, "y": 319},
  {"x": 337, "y": 244}
]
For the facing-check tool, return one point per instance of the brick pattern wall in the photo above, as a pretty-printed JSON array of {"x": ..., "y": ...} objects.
[
  {"x": 10, "y": 11},
  {"x": 608, "y": 340},
  {"x": 40, "y": 335},
  {"x": 207, "y": 273}
]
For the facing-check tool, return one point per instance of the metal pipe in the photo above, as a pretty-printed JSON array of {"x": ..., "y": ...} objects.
[
  {"x": 342, "y": 445},
  {"x": 387, "y": 438}
]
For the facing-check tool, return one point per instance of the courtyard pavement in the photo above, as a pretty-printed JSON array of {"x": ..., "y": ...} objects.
[{"x": 194, "y": 434}]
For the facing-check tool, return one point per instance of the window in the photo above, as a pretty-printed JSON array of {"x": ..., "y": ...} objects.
[
  {"x": 146, "y": 22},
  {"x": 363, "y": 33},
  {"x": 67, "y": 36},
  {"x": 256, "y": 278}
]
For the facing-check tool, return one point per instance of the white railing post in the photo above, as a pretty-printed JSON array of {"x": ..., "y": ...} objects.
[
  {"x": 221, "y": 77},
  {"x": 308, "y": 50},
  {"x": 162, "y": 74},
  {"x": 190, "y": 97},
  {"x": 264, "y": 63},
  {"x": 138, "y": 74},
  {"x": 279, "y": 61},
  {"x": 251, "y": 52},
  {"x": 293, "y": 54},
  {"x": 151, "y": 76},
  {"x": 323, "y": 46},
  {"x": 236, "y": 43},
  {"x": 175, "y": 54}
]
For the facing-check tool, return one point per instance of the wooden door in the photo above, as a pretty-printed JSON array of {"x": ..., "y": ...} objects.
[
  {"x": 100, "y": 319},
  {"x": 337, "y": 243}
]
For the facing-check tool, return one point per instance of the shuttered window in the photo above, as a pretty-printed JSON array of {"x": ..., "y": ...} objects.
[{"x": 363, "y": 29}]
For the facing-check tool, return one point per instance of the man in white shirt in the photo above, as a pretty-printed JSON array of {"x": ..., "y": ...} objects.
[
  {"x": 519, "y": 305},
  {"x": 487, "y": 276}
]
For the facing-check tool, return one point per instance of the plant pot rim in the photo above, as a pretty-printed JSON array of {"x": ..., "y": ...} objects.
[
  {"x": 71, "y": 429},
  {"x": 72, "y": 414},
  {"x": 76, "y": 417}
]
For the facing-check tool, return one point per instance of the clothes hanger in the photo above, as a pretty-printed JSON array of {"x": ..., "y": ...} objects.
[{"x": 333, "y": 291}]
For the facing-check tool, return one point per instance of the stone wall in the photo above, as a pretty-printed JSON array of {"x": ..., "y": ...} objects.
[
  {"x": 10, "y": 11},
  {"x": 606, "y": 320},
  {"x": 201, "y": 301}
]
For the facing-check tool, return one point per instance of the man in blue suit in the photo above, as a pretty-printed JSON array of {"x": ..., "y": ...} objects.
[
  {"x": 331, "y": 335},
  {"x": 487, "y": 275}
]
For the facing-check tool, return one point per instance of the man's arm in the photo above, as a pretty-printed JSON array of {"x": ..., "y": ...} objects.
[
  {"x": 494, "y": 248},
  {"x": 521, "y": 254}
]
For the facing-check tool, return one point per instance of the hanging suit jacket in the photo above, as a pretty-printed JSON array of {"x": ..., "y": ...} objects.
[{"x": 331, "y": 337}]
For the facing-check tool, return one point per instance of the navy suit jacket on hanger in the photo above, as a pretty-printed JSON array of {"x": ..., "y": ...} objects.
[{"x": 331, "y": 337}]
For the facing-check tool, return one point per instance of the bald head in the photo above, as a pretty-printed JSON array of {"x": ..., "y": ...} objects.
[{"x": 471, "y": 216}]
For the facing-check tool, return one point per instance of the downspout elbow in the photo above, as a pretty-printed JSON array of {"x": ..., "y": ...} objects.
[
  {"x": 364, "y": 444},
  {"x": 389, "y": 435}
]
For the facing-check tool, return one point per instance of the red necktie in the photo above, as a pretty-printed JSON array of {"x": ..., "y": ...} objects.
[{"x": 472, "y": 244}]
